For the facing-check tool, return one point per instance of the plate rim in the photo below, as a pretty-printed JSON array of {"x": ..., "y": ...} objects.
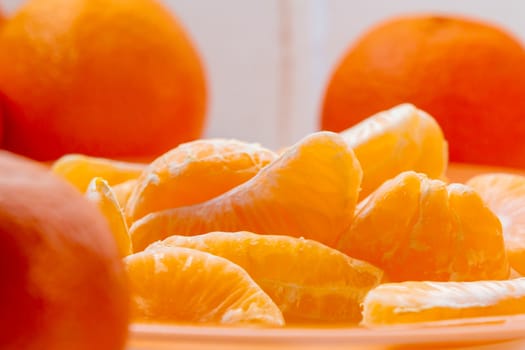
[{"x": 472, "y": 330}]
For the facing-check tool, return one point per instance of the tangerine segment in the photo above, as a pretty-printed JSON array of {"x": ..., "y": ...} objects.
[
  {"x": 195, "y": 172},
  {"x": 185, "y": 285},
  {"x": 409, "y": 302},
  {"x": 330, "y": 289},
  {"x": 100, "y": 193},
  {"x": 505, "y": 195},
  {"x": 310, "y": 191},
  {"x": 396, "y": 140},
  {"x": 123, "y": 191},
  {"x": 416, "y": 228},
  {"x": 80, "y": 169}
]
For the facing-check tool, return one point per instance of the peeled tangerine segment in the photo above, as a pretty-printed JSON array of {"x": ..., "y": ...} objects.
[
  {"x": 310, "y": 191},
  {"x": 505, "y": 195},
  {"x": 184, "y": 285},
  {"x": 123, "y": 191},
  {"x": 80, "y": 169},
  {"x": 100, "y": 193},
  {"x": 416, "y": 228},
  {"x": 409, "y": 302},
  {"x": 194, "y": 172},
  {"x": 399, "y": 139},
  {"x": 309, "y": 281}
]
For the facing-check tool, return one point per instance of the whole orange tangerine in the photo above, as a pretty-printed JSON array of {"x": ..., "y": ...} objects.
[
  {"x": 112, "y": 78},
  {"x": 63, "y": 285},
  {"x": 469, "y": 75}
]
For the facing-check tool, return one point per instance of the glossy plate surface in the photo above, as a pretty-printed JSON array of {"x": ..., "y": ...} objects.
[
  {"x": 480, "y": 333},
  {"x": 487, "y": 333}
]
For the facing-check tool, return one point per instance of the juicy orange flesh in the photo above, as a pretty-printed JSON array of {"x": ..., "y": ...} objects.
[
  {"x": 409, "y": 302},
  {"x": 482, "y": 246},
  {"x": 79, "y": 170},
  {"x": 101, "y": 194},
  {"x": 310, "y": 191},
  {"x": 447, "y": 230},
  {"x": 185, "y": 285},
  {"x": 195, "y": 172},
  {"x": 330, "y": 289},
  {"x": 223, "y": 184},
  {"x": 400, "y": 139},
  {"x": 505, "y": 195},
  {"x": 123, "y": 190}
]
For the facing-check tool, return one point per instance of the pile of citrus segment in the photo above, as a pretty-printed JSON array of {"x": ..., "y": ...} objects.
[{"x": 358, "y": 227}]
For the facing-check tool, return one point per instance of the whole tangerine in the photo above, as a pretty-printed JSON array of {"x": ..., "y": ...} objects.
[
  {"x": 63, "y": 285},
  {"x": 112, "y": 78},
  {"x": 468, "y": 74}
]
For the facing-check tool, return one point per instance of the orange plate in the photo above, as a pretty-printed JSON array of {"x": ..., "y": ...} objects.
[{"x": 483, "y": 333}]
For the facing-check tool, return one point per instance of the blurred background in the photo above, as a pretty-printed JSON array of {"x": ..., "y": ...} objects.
[{"x": 268, "y": 61}]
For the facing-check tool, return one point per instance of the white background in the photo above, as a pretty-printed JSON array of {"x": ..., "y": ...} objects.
[{"x": 268, "y": 60}]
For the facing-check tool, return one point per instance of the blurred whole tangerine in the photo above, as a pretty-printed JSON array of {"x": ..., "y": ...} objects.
[
  {"x": 469, "y": 75},
  {"x": 63, "y": 284},
  {"x": 106, "y": 78},
  {"x": 2, "y": 20}
]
